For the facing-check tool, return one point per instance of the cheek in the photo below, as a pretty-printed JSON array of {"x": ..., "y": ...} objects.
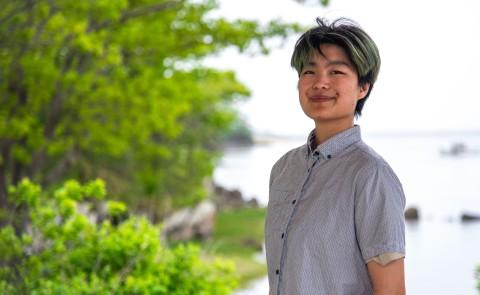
[
  {"x": 303, "y": 87},
  {"x": 300, "y": 85},
  {"x": 355, "y": 91}
]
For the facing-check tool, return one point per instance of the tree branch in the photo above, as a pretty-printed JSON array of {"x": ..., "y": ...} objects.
[
  {"x": 4, "y": 204},
  {"x": 137, "y": 12},
  {"x": 41, "y": 26},
  {"x": 60, "y": 168},
  {"x": 15, "y": 11}
]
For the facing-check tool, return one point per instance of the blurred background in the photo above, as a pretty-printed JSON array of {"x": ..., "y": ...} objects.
[
  {"x": 137, "y": 138},
  {"x": 422, "y": 117}
]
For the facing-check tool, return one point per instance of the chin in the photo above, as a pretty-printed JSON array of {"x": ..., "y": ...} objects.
[{"x": 316, "y": 116}]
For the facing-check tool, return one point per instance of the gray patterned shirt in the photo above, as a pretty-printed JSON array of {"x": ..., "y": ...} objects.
[{"x": 330, "y": 210}]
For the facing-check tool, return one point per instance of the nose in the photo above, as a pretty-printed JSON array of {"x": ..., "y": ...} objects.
[{"x": 321, "y": 82}]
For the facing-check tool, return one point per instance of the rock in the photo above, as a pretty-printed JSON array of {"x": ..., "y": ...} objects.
[
  {"x": 176, "y": 226},
  {"x": 253, "y": 244},
  {"x": 203, "y": 220},
  {"x": 470, "y": 217},
  {"x": 231, "y": 199},
  {"x": 189, "y": 223},
  {"x": 97, "y": 212},
  {"x": 411, "y": 214},
  {"x": 84, "y": 208},
  {"x": 227, "y": 199},
  {"x": 252, "y": 203}
]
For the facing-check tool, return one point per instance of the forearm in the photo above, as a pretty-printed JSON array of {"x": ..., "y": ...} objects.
[{"x": 388, "y": 279}]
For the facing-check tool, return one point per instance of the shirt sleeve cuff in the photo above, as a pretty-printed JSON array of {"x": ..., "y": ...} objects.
[{"x": 386, "y": 258}]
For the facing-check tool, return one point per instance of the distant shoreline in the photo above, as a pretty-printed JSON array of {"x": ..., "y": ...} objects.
[{"x": 271, "y": 137}]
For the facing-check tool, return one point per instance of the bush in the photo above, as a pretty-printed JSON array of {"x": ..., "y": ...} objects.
[
  {"x": 477, "y": 276},
  {"x": 63, "y": 252}
]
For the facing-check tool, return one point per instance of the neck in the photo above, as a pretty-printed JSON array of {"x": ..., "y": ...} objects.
[{"x": 324, "y": 131}]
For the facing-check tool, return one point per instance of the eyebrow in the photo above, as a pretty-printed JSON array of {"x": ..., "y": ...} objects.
[{"x": 332, "y": 63}]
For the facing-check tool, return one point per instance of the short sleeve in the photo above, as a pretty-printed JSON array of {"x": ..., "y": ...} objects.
[{"x": 379, "y": 212}]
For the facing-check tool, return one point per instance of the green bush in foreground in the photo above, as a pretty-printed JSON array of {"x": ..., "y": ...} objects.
[{"x": 65, "y": 253}]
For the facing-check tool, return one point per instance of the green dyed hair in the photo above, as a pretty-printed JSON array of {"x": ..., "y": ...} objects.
[{"x": 343, "y": 32}]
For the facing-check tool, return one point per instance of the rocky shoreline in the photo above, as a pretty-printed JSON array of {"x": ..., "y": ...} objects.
[
  {"x": 413, "y": 214},
  {"x": 188, "y": 223},
  {"x": 198, "y": 222}
]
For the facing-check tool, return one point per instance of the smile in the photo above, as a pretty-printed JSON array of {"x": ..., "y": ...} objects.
[{"x": 320, "y": 98}]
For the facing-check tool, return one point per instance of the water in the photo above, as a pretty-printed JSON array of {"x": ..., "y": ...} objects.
[{"x": 442, "y": 252}]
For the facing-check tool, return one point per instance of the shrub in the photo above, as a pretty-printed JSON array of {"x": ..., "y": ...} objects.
[
  {"x": 477, "y": 276},
  {"x": 63, "y": 252}
]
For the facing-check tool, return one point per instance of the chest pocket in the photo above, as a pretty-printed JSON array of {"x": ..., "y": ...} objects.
[{"x": 279, "y": 209}]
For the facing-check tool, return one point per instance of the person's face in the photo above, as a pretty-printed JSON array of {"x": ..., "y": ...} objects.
[{"x": 328, "y": 87}]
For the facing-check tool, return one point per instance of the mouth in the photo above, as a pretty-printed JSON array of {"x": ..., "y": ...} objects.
[{"x": 320, "y": 98}]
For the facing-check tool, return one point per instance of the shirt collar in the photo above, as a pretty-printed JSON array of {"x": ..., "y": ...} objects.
[{"x": 334, "y": 145}]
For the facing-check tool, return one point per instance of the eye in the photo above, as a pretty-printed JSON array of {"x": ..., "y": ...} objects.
[
  {"x": 307, "y": 72},
  {"x": 336, "y": 72}
]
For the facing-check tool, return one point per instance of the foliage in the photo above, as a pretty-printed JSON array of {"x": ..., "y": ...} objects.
[
  {"x": 238, "y": 234},
  {"x": 239, "y": 231},
  {"x": 117, "y": 90},
  {"x": 239, "y": 133},
  {"x": 64, "y": 253},
  {"x": 477, "y": 275}
]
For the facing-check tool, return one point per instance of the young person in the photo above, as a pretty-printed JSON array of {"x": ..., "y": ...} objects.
[{"x": 335, "y": 217}]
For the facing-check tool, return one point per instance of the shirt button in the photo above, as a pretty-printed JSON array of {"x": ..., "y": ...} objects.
[
  {"x": 294, "y": 201},
  {"x": 277, "y": 271}
]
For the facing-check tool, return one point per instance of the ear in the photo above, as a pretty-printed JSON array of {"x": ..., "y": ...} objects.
[{"x": 363, "y": 90}]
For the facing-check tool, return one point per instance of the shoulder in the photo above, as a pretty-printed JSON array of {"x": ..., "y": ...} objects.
[
  {"x": 371, "y": 166},
  {"x": 375, "y": 180},
  {"x": 368, "y": 159}
]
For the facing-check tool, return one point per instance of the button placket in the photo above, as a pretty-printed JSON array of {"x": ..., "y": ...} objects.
[{"x": 285, "y": 232}]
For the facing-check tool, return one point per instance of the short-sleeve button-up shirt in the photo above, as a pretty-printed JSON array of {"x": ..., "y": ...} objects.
[{"x": 331, "y": 208}]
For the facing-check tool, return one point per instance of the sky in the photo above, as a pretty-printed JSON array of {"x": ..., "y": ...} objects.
[{"x": 429, "y": 77}]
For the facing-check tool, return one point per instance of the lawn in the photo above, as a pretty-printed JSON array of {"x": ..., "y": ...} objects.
[{"x": 239, "y": 236}]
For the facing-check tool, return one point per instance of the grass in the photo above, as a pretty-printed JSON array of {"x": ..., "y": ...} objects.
[{"x": 238, "y": 236}]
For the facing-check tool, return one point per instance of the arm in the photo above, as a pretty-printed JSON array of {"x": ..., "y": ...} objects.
[
  {"x": 380, "y": 228},
  {"x": 388, "y": 279}
]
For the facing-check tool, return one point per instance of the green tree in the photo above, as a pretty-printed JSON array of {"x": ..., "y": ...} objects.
[
  {"x": 116, "y": 89},
  {"x": 63, "y": 252}
]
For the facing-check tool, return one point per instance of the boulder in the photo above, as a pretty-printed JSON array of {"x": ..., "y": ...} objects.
[
  {"x": 227, "y": 199},
  {"x": 231, "y": 199},
  {"x": 411, "y": 214},
  {"x": 176, "y": 226},
  {"x": 203, "y": 220},
  {"x": 252, "y": 203},
  {"x": 189, "y": 223},
  {"x": 251, "y": 243},
  {"x": 470, "y": 217}
]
